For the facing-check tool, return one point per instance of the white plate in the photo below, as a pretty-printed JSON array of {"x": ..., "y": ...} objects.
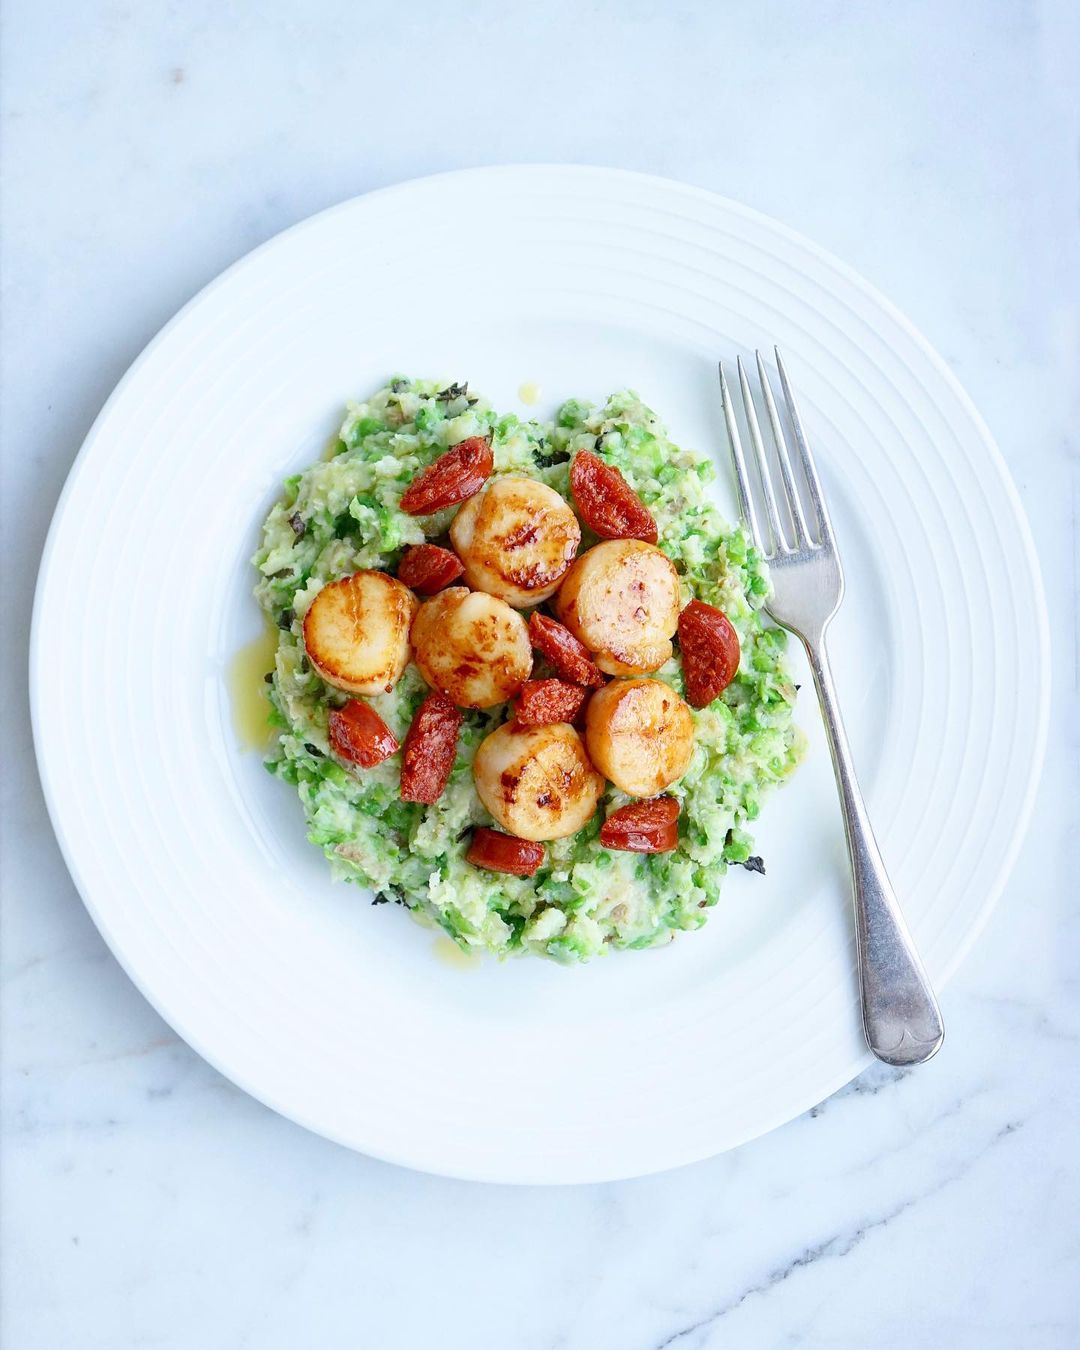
[{"x": 192, "y": 860}]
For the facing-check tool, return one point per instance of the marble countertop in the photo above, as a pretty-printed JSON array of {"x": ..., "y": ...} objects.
[{"x": 148, "y": 1202}]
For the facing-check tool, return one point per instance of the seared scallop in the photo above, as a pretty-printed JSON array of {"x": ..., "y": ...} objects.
[
  {"x": 471, "y": 647},
  {"x": 516, "y": 539},
  {"x": 356, "y": 632},
  {"x": 640, "y": 734},
  {"x": 537, "y": 782},
  {"x": 621, "y": 599}
]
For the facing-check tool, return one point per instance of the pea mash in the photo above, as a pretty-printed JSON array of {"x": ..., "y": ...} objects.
[{"x": 342, "y": 515}]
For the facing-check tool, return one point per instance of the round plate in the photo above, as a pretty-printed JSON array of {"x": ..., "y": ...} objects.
[{"x": 192, "y": 859}]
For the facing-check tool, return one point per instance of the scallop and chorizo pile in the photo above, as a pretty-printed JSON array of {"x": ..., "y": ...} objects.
[{"x": 522, "y": 684}]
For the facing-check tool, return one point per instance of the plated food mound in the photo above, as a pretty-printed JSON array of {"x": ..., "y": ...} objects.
[{"x": 522, "y": 685}]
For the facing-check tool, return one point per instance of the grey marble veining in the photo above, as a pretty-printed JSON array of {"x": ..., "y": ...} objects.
[{"x": 146, "y": 1201}]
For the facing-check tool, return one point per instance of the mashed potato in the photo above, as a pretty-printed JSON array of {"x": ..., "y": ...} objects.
[{"x": 342, "y": 514}]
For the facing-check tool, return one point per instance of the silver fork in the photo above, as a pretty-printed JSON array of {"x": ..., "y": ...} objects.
[{"x": 900, "y": 1014}]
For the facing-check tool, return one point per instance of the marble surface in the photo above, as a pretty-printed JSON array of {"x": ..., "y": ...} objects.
[{"x": 146, "y": 1201}]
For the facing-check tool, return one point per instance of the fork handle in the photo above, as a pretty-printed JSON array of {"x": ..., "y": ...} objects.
[{"x": 900, "y": 1014}]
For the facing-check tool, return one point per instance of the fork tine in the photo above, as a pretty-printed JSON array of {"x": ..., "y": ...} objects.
[
  {"x": 802, "y": 533},
  {"x": 763, "y": 464},
  {"x": 813, "y": 482},
  {"x": 741, "y": 477}
]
